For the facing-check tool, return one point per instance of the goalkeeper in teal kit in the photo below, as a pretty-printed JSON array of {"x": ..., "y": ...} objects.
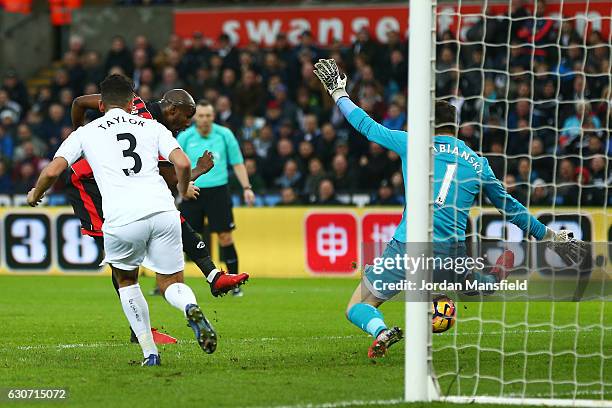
[{"x": 459, "y": 176}]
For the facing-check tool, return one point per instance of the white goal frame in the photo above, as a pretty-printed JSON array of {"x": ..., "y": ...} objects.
[{"x": 420, "y": 384}]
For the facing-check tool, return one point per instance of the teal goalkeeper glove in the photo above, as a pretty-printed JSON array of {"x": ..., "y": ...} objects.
[
  {"x": 571, "y": 250},
  {"x": 334, "y": 82}
]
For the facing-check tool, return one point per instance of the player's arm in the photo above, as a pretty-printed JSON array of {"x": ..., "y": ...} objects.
[
  {"x": 236, "y": 160},
  {"x": 562, "y": 242},
  {"x": 182, "y": 167},
  {"x": 204, "y": 164},
  {"x": 80, "y": 106},
  {"x": 335, "y": 83},
  {"x": 169, "y": 147},
  {"x": 68, "y": 153},
  {"x": 514, "y": 211}
]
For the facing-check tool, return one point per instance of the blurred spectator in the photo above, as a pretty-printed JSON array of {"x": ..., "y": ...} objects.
[
  {"x": 170, "y": 80},
  {"x": 291, "y": 177},
  {"x": 201, "y": 81},
  {"x": 316, "y": 173},
  {"x": 540, "y": 194},
  {"x": 596, "y": 191},
  {"x": 385, "y": 195},
  {"x": 25, "y": 135},
  {"x": 228, "y": 53},
  {"x": 305, "y": 154},
  {"x": 94, "y": 69},
  {"x": 7, "y": 146},
  {"x": 327, "y": 193},
  {"x": 119, "y": 56},
  {"x": 226, "y": 116},
  {"x": 341, "y": 175},
  {"x": 6, "y": 104},
  {"x": 196, "y": 56},
  {"x": 27, "y": 178},
  {"x": 6, "y": 184},
  {"x": 372, "y": 167},
  {"x": 288, "y": 197},
  {"x": 542, "y": 163},
  {"x": 9, "y": 120},
  {"x": 257, "y": 182},
  {"x": 264, "y": 142},
  {"x": 16, "y": 90},
  {"x": 364, "y": 46},
  {"x": 395, "y": 117},
  {"x": 572, "y": 127},
  {"x": 511, "y": 188},
  {"x": 566, "y": 184},
  {"x": 249, "y": 95},
  {"x": 53, "y": 124},
  {"x": 276, "y": 162},
  {"x": 76, "y": 73}
]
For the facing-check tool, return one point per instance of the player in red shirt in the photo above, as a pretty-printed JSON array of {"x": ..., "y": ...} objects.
[{"x": 174, "y": 111}]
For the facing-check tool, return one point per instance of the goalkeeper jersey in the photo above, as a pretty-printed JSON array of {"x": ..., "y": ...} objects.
[{"x": 459, "y": 176}]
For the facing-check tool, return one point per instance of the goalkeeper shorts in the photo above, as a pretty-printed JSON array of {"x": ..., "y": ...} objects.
[{"x": 384, "y": 279}]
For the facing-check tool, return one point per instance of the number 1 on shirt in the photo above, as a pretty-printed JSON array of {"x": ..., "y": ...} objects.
[{"x": 448, "y": 177}]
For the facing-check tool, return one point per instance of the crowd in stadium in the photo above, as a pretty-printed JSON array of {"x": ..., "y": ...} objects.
[{"x": 533, "y": 97}]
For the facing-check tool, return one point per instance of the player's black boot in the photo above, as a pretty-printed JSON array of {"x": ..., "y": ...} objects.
[{"x": 204, "y": 332}]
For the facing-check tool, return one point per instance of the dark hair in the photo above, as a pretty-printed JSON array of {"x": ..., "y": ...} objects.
[
  {"x": 116, "y": 90},
  {"x": 204, "y": 102},
  {"x": 446, "y": 118}
]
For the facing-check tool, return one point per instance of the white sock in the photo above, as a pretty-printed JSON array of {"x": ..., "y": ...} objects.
[
  {"x": 180, "y": 295},
  {"x": 137, "y": 312},
  {"x": 212, "y": 275}
]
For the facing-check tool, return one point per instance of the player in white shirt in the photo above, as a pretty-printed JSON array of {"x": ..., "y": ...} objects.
[{"x": 140, "y": 216}]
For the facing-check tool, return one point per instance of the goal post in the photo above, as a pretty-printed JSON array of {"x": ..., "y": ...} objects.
[{"x": 419, "y": 381}]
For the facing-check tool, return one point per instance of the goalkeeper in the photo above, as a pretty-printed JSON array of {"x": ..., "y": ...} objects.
[{"x": 459, "y": 175}]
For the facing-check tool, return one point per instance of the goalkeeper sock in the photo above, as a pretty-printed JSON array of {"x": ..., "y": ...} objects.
[
  {"x": 180, "y": 295},
  {"x": 137, "y": 312},
  {"x": 230, "y": 257},
  {"x": 367, "y": 318}
]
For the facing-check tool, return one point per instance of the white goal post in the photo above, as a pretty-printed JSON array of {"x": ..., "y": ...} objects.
[{"x": 419, "y": 381}]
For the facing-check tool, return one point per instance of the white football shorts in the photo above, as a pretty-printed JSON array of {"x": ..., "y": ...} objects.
[{"x": 154, "y": 241}]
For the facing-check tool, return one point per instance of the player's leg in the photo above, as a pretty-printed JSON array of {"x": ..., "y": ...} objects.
[
  {"x": 362, "y": 309},
  {"x": 125, "y": 249},
  {"x": 165, "y": 257},
  {"x": 99, "y": 240},
  {"x": 195, "y": 248},
  {"x": 229, "y": 256}
]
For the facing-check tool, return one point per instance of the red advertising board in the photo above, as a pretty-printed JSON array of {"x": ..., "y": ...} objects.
[
  {"x": 328, "y": 23},
  {"x": 331, "y": 242},
  {"x": 377, "y": 229}
]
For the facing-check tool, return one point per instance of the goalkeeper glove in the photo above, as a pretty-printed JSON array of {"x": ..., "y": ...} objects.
[
  {"x": 334, "y": 82},
  {"x": 571, "y": 250}
]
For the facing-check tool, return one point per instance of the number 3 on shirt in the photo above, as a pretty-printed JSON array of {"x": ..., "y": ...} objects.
[
  {"x": 448, "y": 177},
  {"x": 129, "y": 152}
]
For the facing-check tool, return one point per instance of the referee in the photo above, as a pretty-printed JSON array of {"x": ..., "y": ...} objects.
[{"x": 214, "y": 201}]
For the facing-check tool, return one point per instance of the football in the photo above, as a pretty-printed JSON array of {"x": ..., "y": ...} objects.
[{"x": 443, "y": 314}]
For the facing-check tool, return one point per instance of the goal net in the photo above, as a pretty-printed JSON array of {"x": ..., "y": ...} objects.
[{"x": 531, "y": 83}]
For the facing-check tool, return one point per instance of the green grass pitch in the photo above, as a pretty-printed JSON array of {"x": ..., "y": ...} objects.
[{"x": 285, "y": 343}]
